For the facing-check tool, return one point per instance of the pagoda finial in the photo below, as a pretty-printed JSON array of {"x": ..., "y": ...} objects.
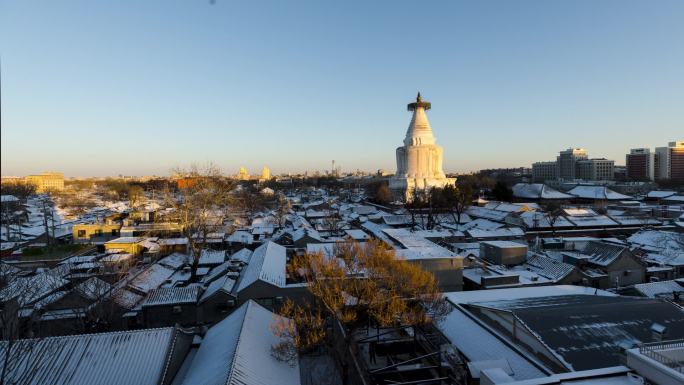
[{"x": 418, "y": 103}]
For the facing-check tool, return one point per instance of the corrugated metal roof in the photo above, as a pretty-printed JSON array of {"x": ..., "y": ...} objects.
[
  {"x": 237, "y": 351},
  {"x": 131, "y": 357},
  {"x": 267, "y": 264},
  {"x": 224, "y": 284},
  {"x": 658, "y": 289},
  {"x": 212, "y": 257},
  {"x": 172, "y": 295}
]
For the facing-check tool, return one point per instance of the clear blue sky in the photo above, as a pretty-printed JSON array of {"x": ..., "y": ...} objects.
[{"x": 140, "y": 87}]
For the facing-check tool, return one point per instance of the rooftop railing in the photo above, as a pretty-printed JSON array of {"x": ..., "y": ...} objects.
[{"x": 653, "y": 350}]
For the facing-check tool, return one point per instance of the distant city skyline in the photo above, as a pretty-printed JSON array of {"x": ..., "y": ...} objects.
[{"x": 102, "y": 89}]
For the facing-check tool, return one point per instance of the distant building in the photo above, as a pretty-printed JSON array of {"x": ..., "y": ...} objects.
[
  {"x": 595, "y": 169},
  {"x": 641, "y": 164},
  {"x": 670, "y": 161},
  {"x": 567, "y": 162},
  {"x": 574, "y": 163},
  {"x": 265, "y": 173},
  {"x": 46, "y": 181},
  {"x": 543, "y": 171},
  {"x": 243, "y": 174}
]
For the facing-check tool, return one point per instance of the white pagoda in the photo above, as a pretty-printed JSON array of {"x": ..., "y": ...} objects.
[{"x": 419, "y": 160}]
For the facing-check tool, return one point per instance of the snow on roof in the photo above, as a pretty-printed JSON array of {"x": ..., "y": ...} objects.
[
  {"x": 481, "y": 212},
  {"x": 357, "y": 234},
  {"x": 151, "y": 278},
  {"x": 535, "y": 219},
  {"x": 397, "y": 220},
  {"x": 668, "y": 243},
  {"x": 537, "y": 191},
  {"x": 579, "y": 212},
  {"x": 212, "y": 257},
  {"x": 130, "y": 357},
  {"x": 224, "y": 284},
  {"x": 27, "y": 290},
  {"x": 659, "y": 289},
  {"x": 466, "y": 297},
  {"x": 548, "y": 267},
  {"x": 125, "y": 240},
  {"x": 675, "y": 198},
  {"x": 504, "y": 244},
  {"x": 8, "y": 198},
  {"x": 93, "y": 288},
  {"x": 268, "y": 264},
  {"x": 173, "y": 241},
  {"x": 237, "y": 351},
  {"x": 602, "y": 253},
  {"x": 126, "y": 299},
  {"x": 172, "y": 295},
  {"x": 597, "y": 192},
  {"x": 657, "y": 194},
  {"x": 482, "y": 224},
  {"x": 511, "y": 207},
  {"x": 630, "y": 220},
  {"x": 595, "y": 221},
  {"x": 408, "y": 238},
  {"x": 241, "y": 236},
  {"x": 116, "y": 258},
  {"x": 79, "y": 259},
  {"x": 499, "y": 233},
  {"x": 476, "y": 343},
  {"x": 175, "y": 260}
]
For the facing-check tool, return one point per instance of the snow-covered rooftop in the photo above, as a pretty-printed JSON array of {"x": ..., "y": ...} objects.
[
  {"x": 237, "y": 351},
  {"x": 597, "y": 193},
  {"x": 130, "y": 357},
  {"x": 537, "y": 191},
  {"x": 268, "y": 264}
]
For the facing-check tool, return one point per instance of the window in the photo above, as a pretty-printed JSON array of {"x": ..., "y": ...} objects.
[
  {"x": 177, "y": 310},
  {"x": 81, "y": 233},
  {"x": 265, "y": 302}
]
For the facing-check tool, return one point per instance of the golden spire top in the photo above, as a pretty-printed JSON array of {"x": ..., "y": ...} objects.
[{"x": 418, "y": 103}]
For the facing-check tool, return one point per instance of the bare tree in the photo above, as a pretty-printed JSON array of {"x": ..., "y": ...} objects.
[
  {"x": 552, "y": 212},
  {"x": 250, "y": 201},
  {"x": 458, "y": 199},
  {"x": 200, "y": 208},
  {"x": 136, "y": 194},
  {"x": 282, "y": 208}
]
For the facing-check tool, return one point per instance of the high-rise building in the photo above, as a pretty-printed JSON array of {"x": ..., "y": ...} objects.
[
  {"x": 265, "y": 173},
  {"x": 419, "y": 160},
  {"x": 543, "y": 171},
  {"x": 567, "y": 162},
  {"x": 595, "y": 169},
  {"x": 243, "y": 174},
  {"x": 47, "y": 181},
  {"x": 641, "y": 164},
  {"x": 670, "y": 161}
]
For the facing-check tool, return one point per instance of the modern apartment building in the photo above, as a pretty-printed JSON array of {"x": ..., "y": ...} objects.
[
  {"x": 670, "y": 161},
  {"x": 567, "y": 162},
  {"x": 542, "y": 171},
  {"x": 594, "y": 169},
  {"x": 641, "y": 164}
]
